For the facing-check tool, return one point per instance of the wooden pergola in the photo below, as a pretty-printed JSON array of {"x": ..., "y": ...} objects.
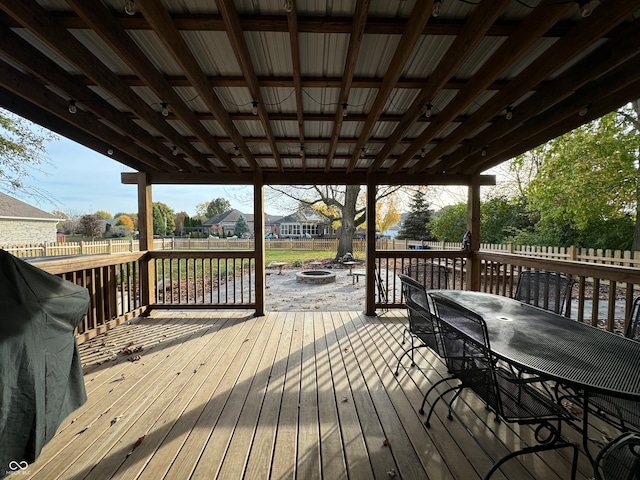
[{"x": 297, "y": 92}]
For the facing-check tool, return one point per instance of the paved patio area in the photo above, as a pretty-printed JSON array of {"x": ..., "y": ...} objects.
[{"x": 285, "y": 294}]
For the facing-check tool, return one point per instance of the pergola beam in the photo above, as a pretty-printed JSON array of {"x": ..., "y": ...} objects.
[{"x": 309, "y": 178}]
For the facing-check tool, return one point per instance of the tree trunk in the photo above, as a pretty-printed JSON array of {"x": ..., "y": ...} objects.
[{"x": 345, "y": 241}]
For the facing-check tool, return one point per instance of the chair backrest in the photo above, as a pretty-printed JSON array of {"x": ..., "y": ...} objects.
[
  {"x": 420, "y": 312},
  {"x": 619, "y": 459},
  {"x": 467, "y": 352},
  {"x": 543, "y": 289},
  {"x": 430, "y": 275},
  {"x": 633, "y": 327},
  {"x": 468, "y": 356}
]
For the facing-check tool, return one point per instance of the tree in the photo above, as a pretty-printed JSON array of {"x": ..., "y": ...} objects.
[
  {"x": 163, "y": 222},
  {"x": 241, "y": 227},
  {"x": 181, "y": 219},
  {"x": 217, "y": 206},
  {"x": 22, "y": 149},
  {"x": 449, "y": 224},
  {"x": 207, "y": 210},
  {"x": 132, "y": 216},
  {"x": 103, "y": 215},
  {"x": 416, "y": 225},
  {"x": 90, "y": 226},
  {"x": 125, "y": 221},
  {"x": 588, "y": 179},
  {"x": 387, "y": 214},
  {"x": 342, "y": 205},
  {"x": 502, "y": 219}
]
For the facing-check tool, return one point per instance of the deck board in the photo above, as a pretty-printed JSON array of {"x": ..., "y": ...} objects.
[{"x": 292, "y": 395}]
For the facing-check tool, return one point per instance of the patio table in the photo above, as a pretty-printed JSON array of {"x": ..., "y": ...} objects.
[{"x": 550, "y": 345}]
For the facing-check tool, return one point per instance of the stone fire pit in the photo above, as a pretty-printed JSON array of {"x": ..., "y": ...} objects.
[{"x": 315, "y": 277}]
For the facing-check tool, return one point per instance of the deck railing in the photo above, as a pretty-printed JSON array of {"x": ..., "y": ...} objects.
[
  {"x": 114, "y": 286},
  {"x": 227, "y": 279},
  {"x": 390, "y": 263},
  {"x": 203, "y": 279},
  {"x": 602, "y": 297}
]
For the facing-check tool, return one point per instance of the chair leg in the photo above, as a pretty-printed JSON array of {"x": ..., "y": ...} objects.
[
  {"x": 538, "y": 448},
  {"x": 404, "y": 334},
  {"x": 407, "y": 352},
  {"x": 432, "y": 387},
  {"x": 427, "y": 422},
  {"x": 450, "y": 413}
]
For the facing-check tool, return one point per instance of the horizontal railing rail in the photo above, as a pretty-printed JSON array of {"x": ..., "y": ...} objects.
[
  {"x": 602, "y": 297},
  {"x": 390, "y": 263},
  {"x": 204, "y": 279},
  {"x": 227, "y": 279},
  {"x": 114, "y": 286}
]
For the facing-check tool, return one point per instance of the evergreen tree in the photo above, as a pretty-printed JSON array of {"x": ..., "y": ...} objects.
[
  {"x": 415, "y": 226},
  {"x": 241, "y": 227}
]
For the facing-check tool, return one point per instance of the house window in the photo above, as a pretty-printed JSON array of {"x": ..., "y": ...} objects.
[
  {"x": 310, "y": 229},
  {"x": 290, "y": 229}
]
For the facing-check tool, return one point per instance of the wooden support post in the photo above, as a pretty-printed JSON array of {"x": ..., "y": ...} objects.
[
  {"x": 370, "y": 289},
  {"x": 145, "y": 237},
  {"x": 259, "y": 245},
  {"x": 473, "y": 224}
]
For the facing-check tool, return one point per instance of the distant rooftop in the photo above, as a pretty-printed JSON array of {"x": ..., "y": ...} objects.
[{"x": 13, "y": 208}]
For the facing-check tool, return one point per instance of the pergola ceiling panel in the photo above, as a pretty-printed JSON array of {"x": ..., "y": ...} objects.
[{"x": 215, "y": 63}]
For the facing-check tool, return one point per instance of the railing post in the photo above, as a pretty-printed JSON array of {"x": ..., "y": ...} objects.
[
  {"x": 370, "y": 286},
  {"x": 473, "y": 225},
  {"x": 259, "y": 245},
  {"x": 145, "y": 227}
]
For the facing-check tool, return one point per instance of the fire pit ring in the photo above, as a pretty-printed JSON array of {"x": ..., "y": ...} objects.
[{"x": 316, "y": 277}]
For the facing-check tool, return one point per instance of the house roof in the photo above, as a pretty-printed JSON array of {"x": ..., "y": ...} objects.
[
  {"x": 231, "y": 216},
  {"x": 303, "y": 216},
  {"x": 304, "y": 92},
  {"x": 13, "y": 208}
]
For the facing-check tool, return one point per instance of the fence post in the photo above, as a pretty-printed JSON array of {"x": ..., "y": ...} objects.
[
  {"x": 572, "y": 253},
  {"x": 81, "y": 247},
  {"x": 110, "y": 249}
]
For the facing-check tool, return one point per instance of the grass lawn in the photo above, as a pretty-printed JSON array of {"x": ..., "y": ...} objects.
[
  {"x": 183, "y": 268},
  {"x": 293, "y": 257}
]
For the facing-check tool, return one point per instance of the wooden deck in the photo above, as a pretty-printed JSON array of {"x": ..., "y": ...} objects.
[{"x": 289, "y": 395}]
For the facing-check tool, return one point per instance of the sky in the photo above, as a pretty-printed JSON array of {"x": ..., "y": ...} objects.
[
  {"x": 78, "y": 181},
  {"x": 81, "y": 181}
]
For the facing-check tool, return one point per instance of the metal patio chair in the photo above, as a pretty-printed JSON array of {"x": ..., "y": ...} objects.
[
  {"x": 621, "y": 413},
  {"x": 548, "y": 290},
  {"x": 633, "y": 326},
  {"x": 422, "y": 327},
  {"x": 619, "y": 459},
  {"x": 513, "y": 398},
  {"x": 432, "y": 276}
]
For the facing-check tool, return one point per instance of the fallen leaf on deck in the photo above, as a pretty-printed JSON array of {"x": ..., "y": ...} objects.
[{"x": 385, "y": 443}]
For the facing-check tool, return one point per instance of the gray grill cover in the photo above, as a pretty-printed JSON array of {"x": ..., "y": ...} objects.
[{"x": 41, "y": 380}]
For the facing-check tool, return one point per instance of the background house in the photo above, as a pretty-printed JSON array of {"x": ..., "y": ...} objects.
[
  {"x": 224, "y": 223},
  {"x": 22, "y": 223},
  {"x": 303, "y": 224}
]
